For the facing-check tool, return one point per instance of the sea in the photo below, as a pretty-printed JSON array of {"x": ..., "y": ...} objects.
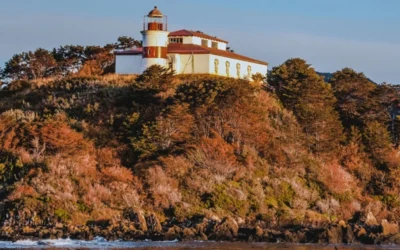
[{"x": 101, "y": 243}]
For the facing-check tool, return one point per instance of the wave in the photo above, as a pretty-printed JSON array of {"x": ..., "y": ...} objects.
[{"x": 97, "y": 242}]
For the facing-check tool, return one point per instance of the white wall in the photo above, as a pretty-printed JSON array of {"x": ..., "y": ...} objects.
[
  {"x": 200, "y": 64},
  {"x": 197, "y": 41},
  {"x": 255, "y": 68},
  {"x": 147, "y": 62},
  {"x": 221, "y": 46},
  {"x": 155, "y": 38},
  {"x": 128, "y": 64}
]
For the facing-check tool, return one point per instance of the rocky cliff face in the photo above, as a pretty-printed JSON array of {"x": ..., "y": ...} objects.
[{"x": 193, "y": 157}]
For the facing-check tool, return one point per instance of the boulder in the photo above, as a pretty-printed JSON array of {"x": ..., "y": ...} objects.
[
  {"x": 188, "y": 234},
  {"x": 389, "y": 228},
  {"x": 227, "y": 229},
  {"x": 335, "y": 234},
  {"x": 137, "y": 217},
  {"x": 28, "y": 231},
  {"x": 371, "y": 220},
  {"x": 348, "y": 236},
  {"x": 153, "y": 224},
  {"x": 362, "y": 232},
  {"x": 290, "y": 237}
]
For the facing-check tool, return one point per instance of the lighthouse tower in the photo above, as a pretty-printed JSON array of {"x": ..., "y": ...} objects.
[{"x": 155, "y": 39}]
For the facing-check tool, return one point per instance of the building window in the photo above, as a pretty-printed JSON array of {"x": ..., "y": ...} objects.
[
  {"x": 214, "y": 45},
  {"x": 216, "y": 64},
  {"x": 204, "y": 42},
  {"x": 238, "y": 70},
  {"x": 228, "y": 66},
  {"x": 176, "y": 40},
  {"x": 249, "y": 71}
]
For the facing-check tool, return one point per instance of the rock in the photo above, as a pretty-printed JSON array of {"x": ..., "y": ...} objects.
[
  {"x": 203, "y": 237},
  {"x": 348, "y": 236},
  {"x": 395, "y": 239},
  {"x": 137, "y": 217},
  {"x": 173, "y": 233},
  {"x": 371, "y": 220},
  {"x": 240, "y": 221},
  {"x": 335, "y": 234},
  {"x": 259, "y": 232},
  {"x": 247, "y": 234},
  {"x": 290, "y": 237},
  {"x": 201, "y": 227},
  {"x": 28, "y": 231},
  {"x": 302, "y": 236},
  {"x": 364, "y": 237},
  {"x": 44, "y": 234},
  {"x": 389, "y": 228},
  {"x": 227, "y": 229},
  {"x": 215, "y": 218},
  {"x": 342, "y": 223},
  {"x": 153, "y": 224},
  {"x": 361, "y": 232},
  {"x": 188, "y": 234},
  {"x": 273, "y": 236}
]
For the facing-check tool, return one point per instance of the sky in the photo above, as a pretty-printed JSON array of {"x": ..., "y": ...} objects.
[{"x": 329, "y": 34}]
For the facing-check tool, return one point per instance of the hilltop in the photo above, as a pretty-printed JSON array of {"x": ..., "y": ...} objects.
[{"x": 162, "y": 156}]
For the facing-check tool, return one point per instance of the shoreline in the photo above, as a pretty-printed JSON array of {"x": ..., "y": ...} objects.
[
  {"x": 140, "y": 228},
  {"x": 100, "y": 243}
]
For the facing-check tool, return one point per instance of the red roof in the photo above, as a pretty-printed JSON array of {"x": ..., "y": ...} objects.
[
  {"x": 195, "y": 33},
  {"x": 180, "y": 48},
  {"x": 155, "y": 13}
]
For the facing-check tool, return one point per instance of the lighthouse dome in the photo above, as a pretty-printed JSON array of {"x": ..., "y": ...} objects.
[{"x": 155, "y": 13}]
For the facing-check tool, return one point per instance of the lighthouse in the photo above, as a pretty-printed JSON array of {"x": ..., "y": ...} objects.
[
  {"x": 184, "y": 52},
  {"x": 155, "y": 39}
]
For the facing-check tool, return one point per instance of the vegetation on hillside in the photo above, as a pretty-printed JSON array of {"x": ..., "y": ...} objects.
[{"x": 295, "y": 150}]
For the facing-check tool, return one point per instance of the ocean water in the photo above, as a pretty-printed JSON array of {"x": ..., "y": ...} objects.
[{"x": 100, "y": 243}]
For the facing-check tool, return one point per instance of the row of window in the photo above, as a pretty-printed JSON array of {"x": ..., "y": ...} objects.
[
  {"x": 176, "y": 40},
  {"x": 228, "y": 66},
  {"x": 204, "y": 42}
]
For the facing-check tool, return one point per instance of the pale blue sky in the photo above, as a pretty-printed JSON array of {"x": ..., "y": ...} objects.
[{"x": 329, "y": 34}]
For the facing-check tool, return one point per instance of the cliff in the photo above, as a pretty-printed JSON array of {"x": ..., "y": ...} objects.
[{"x": 196, "y": 157}]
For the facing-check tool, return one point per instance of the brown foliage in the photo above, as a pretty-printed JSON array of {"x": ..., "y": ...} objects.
[
  {"x": 117, "y": 174},
  {"x": 336, "y": 178},
  {"x": 60, "y": 138},
  {"x": 163, "y": 189},
  {"x": 214, "y": 155},
  {"x": 22, "y": 192}
]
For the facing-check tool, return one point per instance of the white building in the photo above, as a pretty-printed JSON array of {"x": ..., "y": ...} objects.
[{"x": 184, "y": 51}]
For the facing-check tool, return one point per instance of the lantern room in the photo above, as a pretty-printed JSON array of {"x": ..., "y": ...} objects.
[{"x": 155, "y": 20}]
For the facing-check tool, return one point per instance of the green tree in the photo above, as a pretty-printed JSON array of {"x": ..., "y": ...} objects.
[
  {"x": 41, "y": 64},
  {"x": 69, "y": 58},
  {"x": 377, "y": 142},
  {"x": 303, "y": 91},
  {"x": 125, "y": 42},
  {"x": 2, "y": 78},
  {"x": 354, "y": 92},
  {"x": 17, "y": 67},
  {"x": 156, "y": 77},
  {"x": 258, "y": 78}
]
